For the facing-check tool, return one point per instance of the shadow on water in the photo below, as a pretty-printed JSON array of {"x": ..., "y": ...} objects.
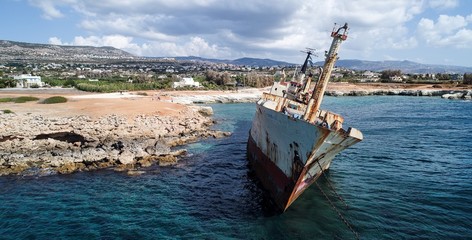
[{"x": 221, "y": 183}]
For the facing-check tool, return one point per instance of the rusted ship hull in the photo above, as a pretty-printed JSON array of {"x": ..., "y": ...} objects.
[
  {"x": 288, "y": 153},
  {"x": 292, "y": 141}
]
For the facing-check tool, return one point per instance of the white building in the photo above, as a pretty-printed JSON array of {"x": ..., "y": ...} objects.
[
  {"x": 184, "y": 82},
  {"x": 26, "y": 81}
]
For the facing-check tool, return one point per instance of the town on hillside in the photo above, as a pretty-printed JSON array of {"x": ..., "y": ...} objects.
[{"x": 106, "y": 69}]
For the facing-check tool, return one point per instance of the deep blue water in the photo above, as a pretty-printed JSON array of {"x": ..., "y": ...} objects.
[{"x": 411, "y": 178}]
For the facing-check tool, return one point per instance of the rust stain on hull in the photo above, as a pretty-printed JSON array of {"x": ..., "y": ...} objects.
[{"x": 272, "y": 178}]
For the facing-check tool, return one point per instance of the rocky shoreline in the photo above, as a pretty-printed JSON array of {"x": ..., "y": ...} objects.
[
  {"x": 38, "y": 145},
  {"x": 448, "y": 94},
  {"x": 253, "y": 96}
]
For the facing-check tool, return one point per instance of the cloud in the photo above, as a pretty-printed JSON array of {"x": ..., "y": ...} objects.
[
  {"x": 442, "y": 4},
  {"x": 117, "y": 41},
  {"x": 230, "y": 29},
  {"x": 447, "y": 31},
  {"x": 49, "y": 9},
  {"x": 195, "y": 46},
  {"x": 55, "y": 41}
]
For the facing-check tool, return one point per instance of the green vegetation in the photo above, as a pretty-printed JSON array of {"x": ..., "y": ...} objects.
[
  {"x": 55, "y": 99},
  {"x": 387, "y": 74},
  {"x": 8, "y": 82},
  {"x": 25, "y": 99},
  {"x": 118, "y": 86},
  {"x": 22, "y": 99},
  {"x": 7, "y": 111},
  {"x": 6, "y": 99},
  {"x": 467, "y": 78}
]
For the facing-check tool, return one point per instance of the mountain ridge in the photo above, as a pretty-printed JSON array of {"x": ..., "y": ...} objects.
[{"x": 23, "y": 51}]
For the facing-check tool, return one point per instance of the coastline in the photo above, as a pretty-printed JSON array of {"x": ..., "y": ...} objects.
[
  {"x": 95, "y": 131},
  {"x": 446, "y": 91},
  {"x": 128, "y": 131}
]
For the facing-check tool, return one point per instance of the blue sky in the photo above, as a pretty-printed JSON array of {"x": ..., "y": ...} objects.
[{"x": 425, "y": 31}]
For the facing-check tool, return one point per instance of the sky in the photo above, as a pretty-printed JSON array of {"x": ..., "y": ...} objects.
[{"x": 424, "y": 31}]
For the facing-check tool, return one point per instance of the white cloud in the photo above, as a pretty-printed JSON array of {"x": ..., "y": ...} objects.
[
  {"x": 443, "y": 3},
  {"x": 117, "y": 41},
  {"x": 55, "y": 41},
  {"x": 446, "y": 31},
  {"x": 194, "y": 46},
  {"x": 231, "y": 28},
  {"x": 49, "y": 9}
]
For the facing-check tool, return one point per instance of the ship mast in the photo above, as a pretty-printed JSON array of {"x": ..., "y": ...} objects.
[{"x": 331, "y": 57}]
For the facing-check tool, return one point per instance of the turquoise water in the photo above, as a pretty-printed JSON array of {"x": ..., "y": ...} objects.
[{"x": 411, "y": 178}]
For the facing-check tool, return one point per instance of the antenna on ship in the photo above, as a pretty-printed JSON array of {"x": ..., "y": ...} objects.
[
  {"x": 305, "y": 83},
  {"x": 314, "y": 103},
  {"x": 309, "y": 52}
]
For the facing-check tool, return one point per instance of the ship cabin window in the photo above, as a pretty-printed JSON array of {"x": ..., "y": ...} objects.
[{"x": 292, "y": 106}]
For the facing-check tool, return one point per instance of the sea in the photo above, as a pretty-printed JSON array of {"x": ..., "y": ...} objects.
[{"x": 410, "y": 178}]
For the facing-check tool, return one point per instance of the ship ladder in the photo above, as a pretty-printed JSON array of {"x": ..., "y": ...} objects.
[{"x": 345, "y": 221}]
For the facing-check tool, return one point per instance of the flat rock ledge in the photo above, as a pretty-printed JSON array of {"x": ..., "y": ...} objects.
[{"x": 37, "y": 145}]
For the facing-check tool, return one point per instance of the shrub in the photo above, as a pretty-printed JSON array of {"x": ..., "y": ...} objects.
[
  {"x": 69, "y": 83},
  {"x": 141, "y": 93},
  {"x": 19, "y": 99},
  {"x": 55, "y": 99},
  {"x": 25, "y": 99},
  {"x": 6, "y": 99},
  {"x": 7, "y": 111}
]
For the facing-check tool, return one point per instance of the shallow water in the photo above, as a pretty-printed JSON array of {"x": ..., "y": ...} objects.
[{"x": 411, "y": 177}]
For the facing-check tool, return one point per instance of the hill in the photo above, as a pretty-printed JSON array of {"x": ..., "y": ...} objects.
[
  {"x": 354, "y": 64},
  {"x": 240, "y": 61},
  {"x": 404, "y": 66},
  {"x": 11, "y": 51}
]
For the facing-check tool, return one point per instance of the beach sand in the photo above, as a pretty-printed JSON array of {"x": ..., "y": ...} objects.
[
  {"x": 165, "y": 103},
  {"x": 93, "y": 105}
]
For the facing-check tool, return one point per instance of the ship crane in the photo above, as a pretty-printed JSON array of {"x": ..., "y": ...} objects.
[
  {"x": 320, "y": 87},
  {"x": 302, "y": 93}
]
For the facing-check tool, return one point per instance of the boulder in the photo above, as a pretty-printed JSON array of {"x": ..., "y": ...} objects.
[
  {"x": 204, "y": 110},
  {"x": 67, "y": 168},
  {"x": 126, "y": 157}
]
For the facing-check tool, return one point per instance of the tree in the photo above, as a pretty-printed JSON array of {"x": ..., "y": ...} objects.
[
  {"x": 8, "y": 82},
  {"x": 443, "y": 76},
  {"x": 467, "y": 78},
  {"x": 387, "y": 74}
]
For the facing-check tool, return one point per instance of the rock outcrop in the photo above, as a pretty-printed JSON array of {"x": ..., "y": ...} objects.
[{"x": 31, "y": 142}]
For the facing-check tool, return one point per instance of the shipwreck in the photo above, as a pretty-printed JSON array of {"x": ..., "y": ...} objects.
[{"x": 292, "y": 141}]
